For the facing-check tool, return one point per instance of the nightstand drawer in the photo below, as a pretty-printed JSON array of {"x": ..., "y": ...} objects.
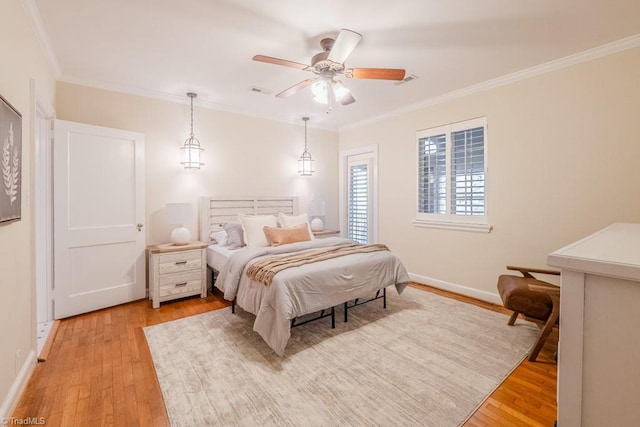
[
  {"x": 180, "y": 283},
  {"x": 177, "y": 271},
  {"x": 179, "y": 261}
]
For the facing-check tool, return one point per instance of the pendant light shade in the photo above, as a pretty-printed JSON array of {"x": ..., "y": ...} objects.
[
  {"x": 305, "y": 162},
  {"x": 191, "y": 149}
]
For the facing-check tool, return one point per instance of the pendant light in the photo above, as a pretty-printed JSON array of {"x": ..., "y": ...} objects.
[
  {"x": 191, "y": 149},
  {"x": 305, "y": 162}
]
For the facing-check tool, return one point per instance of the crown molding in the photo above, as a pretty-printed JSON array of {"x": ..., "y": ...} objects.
[
  {"x": 33, "y": 15},
  {"x": 548, "y": 67}
]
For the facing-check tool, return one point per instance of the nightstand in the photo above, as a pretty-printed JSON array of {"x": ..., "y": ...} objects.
[
  {"x": 325, "y": 233},
  {"x": 177, "y": 271}
]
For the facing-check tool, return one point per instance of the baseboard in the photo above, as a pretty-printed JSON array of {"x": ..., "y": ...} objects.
[
  {"x": 44, "y": 353},
  {"x": 11, "y": 400},
  {"x": 458, "y": 289}
]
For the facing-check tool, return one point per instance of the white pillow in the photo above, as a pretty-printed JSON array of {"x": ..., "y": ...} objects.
[
  {"x": 220, "y": 237},
  {"x": 288, "y": 221},
  {"x": 253, "y": 226},
  {"x": 235, "y": 234}
]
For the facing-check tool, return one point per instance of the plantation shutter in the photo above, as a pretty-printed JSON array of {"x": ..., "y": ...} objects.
[
  {"x": 467, "y": 172},
  {"x": 358, "y": 203},
  {"x": 452, "y": 176},
  {"x": 432, "y": 170}
]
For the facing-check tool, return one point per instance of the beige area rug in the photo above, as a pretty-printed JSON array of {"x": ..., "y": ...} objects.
[{"x": 424, "y": 361}]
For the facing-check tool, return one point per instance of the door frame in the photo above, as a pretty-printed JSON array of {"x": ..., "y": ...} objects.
[
  {"x": 343, "y": 193},
  {"x": 43, "y": 209}
]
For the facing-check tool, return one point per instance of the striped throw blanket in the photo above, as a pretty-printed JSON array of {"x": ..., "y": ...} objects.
[{"x": 263, "y": 270}]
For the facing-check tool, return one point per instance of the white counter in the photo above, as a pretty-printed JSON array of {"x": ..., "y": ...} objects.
[{"x": 599, "y": 348}]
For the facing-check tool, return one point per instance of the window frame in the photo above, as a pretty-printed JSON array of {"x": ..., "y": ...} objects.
[
  {"x": 448, "y": 219},
  {"x": 370, "y": 151}
]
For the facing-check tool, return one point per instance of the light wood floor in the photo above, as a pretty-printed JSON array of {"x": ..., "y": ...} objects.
[{"x": 99, "y": 372}]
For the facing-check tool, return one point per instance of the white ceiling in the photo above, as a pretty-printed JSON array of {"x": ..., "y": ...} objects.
[{"x": 165, "y": 48}]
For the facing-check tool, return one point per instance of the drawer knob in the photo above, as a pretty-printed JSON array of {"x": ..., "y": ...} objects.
[
  {"x": 179, "y": 285},
  {"x": 180, "y": 262}
]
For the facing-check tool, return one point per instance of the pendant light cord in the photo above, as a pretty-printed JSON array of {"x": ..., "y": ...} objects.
[
  {"x": 191, "y": 95},
  {"x": 191, "y": 116},
  {"x": 305, "y": 119}
]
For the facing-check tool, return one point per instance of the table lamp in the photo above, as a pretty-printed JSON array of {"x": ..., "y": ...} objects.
[
  {"x": 317, "y": 211},
  {"x": 179, "y": 214}
]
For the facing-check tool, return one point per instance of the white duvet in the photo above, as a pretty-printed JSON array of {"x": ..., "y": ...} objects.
[{"x": 306, "y": 289}]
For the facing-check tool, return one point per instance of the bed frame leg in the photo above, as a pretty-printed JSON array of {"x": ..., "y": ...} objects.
[
  {"x": 384, "y": 297},
  {"x": 333, "y": 317},
  {"x": 233, "y": 306},
  {"x": 346, "y": 312}
]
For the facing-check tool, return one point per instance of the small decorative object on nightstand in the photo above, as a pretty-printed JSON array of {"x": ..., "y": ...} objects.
[
  {"x": 179, "y": 214},
  {"x": 325, "y": 233},
  {"x": 317, "y": 211},
  {"x": 177, "y": 271}
]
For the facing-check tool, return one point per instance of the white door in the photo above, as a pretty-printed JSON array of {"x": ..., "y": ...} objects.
[
  {"x": 358, "y": 172},
  {"x": 98, "y": 199}
]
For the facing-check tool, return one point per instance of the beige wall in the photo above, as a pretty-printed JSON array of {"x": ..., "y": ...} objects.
[
  {"x": 243, "y": 156},
  {"x": 21, "y": 61},
  {"x": 563, "y": 152}
]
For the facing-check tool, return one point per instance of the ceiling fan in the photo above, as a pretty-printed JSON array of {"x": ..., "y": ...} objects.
[{"x": 329, "y": 64}]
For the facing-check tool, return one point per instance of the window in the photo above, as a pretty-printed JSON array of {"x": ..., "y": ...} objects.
[
  {"x": 358, "y": 209},
  {"x": 357, "y": 193},
  {"x": 452, "y": 176}
]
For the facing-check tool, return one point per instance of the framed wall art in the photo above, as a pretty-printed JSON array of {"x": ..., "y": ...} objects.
[{"x": 10, "y": 161}]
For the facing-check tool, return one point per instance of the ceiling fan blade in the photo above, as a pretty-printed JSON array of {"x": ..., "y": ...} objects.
[
  {"x": 295, "y": 88},
  {"x": 375, "y": 73},
  {"x": 278, "y": 61},
  {"x": 347, "y": 99},
  {"x": 346, "y": 41}
]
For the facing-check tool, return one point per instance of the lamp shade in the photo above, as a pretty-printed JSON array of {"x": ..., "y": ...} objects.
[
  {"x": 317, "y": 208},
  {"x": 179, "y": 213}
]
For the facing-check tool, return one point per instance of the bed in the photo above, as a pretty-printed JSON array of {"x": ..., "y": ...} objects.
[{"x": 296, "y": 291}]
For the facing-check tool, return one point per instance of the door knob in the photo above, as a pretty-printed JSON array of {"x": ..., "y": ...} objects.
[{"x": 140, "y": 225}]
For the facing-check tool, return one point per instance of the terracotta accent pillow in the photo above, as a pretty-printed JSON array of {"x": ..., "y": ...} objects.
[
  {"x": 280, "y": 236},
  {"x": 293, "y": 220}
]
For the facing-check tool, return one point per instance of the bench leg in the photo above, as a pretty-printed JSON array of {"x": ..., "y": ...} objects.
[
  {"x": 546, "y": 330},
  {"x": 513, "y": 318}
]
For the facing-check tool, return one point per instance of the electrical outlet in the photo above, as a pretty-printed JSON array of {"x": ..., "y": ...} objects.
[{"x": 18, "y": 357}]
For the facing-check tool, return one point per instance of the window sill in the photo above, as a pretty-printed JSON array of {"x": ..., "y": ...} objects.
[{"x": 460, "y": 226}]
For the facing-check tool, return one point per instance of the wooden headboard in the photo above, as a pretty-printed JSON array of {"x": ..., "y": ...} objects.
[{"x": 216, "y": 210}]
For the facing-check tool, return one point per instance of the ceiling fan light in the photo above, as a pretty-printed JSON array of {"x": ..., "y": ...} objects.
[
  {"x": 321, "y": 99},
  {"x": 319, "y": 87},
  {"x": 320, "y": 91},
  {"x": 340, "y": 91}
]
